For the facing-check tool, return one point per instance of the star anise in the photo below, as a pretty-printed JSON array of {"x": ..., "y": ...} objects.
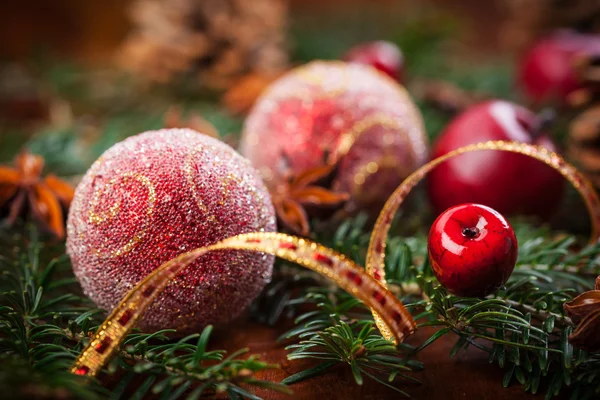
[
  {"x": 294, "y": 194},
  {"x": 584, "y": 310},
  {"x": 23, "y": 189}
]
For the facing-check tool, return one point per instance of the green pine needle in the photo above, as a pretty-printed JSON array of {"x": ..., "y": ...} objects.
[{"x": 44, "y": 326}]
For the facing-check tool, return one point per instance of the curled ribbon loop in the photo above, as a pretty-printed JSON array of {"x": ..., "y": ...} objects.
[
  {"x": 376, "y": 253},
  {"x": 368, "y": 285}
]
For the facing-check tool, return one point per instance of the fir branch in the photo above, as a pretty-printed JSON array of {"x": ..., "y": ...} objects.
[
  {"x": 541, "y": 315},
  {"x": 44, "y": 325},
  {"x": 522, "y": 328},
  {"x": 185, "y": 364},
  {"x": 357, "y": 345},
  {"x": 339, "y": 331}
]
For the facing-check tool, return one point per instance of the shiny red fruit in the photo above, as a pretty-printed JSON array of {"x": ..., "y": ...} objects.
[
  {"x": 383, "y": 55},
  {"x": 548, "y": 70},
  {"x": 472, "y": 250},
  {"x": 508, "y": 182}
]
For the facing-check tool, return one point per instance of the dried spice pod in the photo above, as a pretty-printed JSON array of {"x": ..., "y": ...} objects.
[
  {"x": 584, "y": 143},
  {"x": 584, "y": 310},
  {"x": 24, "y": 191},
  {"x": 297, "y": 195},
  {"x": 217, "y": 41}
]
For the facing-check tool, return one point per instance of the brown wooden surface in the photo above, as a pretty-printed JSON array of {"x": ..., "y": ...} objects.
[{"x": 468, "y": 376}]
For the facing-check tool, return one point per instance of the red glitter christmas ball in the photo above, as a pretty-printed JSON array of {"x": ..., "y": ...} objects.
[
  {"x": 326, "y": 111},
  {"x": 157, "y": 195},
  {"x": 472, "y": 249}
]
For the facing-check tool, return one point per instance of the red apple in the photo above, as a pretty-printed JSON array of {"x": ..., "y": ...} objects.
[
  {"x": 472, "y": 249},
  {"x": 508, "y": 182},
  {"x": 547, "y": 71},
  {"x": 383, "y": 55}
]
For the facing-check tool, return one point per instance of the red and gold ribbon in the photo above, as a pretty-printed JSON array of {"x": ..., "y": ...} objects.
[{"x": 368, "y": 285}]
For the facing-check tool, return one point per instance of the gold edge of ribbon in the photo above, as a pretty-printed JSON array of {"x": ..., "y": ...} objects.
[{"x": 375, "y": 261}]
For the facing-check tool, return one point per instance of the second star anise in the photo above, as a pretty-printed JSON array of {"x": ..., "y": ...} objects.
[
  {"x": 294, "y": 194},
  {"x": 584, "y": 310}
]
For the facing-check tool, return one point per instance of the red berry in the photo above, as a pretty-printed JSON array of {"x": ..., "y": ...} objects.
[
  {"x": 547, "y": 71},
  {"x": 383, "y": 55},
  {"x": 508, "y": 182},
  {"x": 472, "y": 249}
]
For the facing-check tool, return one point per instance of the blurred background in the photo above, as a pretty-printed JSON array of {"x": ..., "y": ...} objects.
[
  {"x": 77, "y": 76},
  {"x": 91, "y": 31}
]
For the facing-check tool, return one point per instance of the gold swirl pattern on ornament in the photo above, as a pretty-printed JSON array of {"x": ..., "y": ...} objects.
[
  {"x": 98, "y": 218},
  {"x": 352, "y": 135},
  {"x": 190, "y": 174},
  {"x": 226, "y": 183},
  {"x": 306, "y": 253},
  {"x": 376, "y": 253},
  {"x": 369, "y": 285},
  {"x": 348, "y": 138},
  {"x": 385, "y": 162}
]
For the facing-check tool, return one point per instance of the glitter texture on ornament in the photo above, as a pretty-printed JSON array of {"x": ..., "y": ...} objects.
[
  {"x": 157, "y": 195},
  {"x": 333, "y": 111}
]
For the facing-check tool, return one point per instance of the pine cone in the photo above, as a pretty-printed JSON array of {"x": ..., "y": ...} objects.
[
  {"x": 584, "y": 143},
  {"x": 588, "y": 71},
  {"x": 528, "y": 19},
  {"x": 219, "y": 41}
]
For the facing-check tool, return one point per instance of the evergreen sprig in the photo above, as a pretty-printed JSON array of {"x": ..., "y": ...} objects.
[
  {"x": 340, "y": 331},
  {"x": 358, "y": 345},
  {"x": 522, "y": 327},
  {"x": 44, "y": 325}
]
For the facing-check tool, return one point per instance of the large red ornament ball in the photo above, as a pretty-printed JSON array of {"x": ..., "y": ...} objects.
[
  {"x": 472, "y": 249},
  {"x": 159, "y": 194},
  {"x": 548, "y": 72},
  {"x": 324, "y": 111},
  {"x": 508, "y": 182}
]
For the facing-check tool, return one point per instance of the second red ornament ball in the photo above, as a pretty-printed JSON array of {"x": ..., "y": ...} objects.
[
  {"x": 548, "y": 71},
  {"x": 157, "y": 195},
  {"x": 510, "y": 183},
  {"x": 323, "y": 112}
]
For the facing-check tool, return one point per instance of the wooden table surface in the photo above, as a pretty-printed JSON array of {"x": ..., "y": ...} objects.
[{"x": 468, "y": 376}]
